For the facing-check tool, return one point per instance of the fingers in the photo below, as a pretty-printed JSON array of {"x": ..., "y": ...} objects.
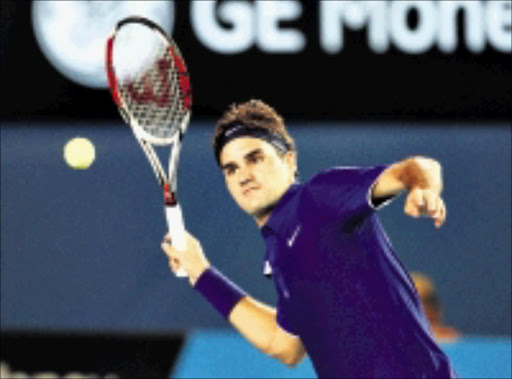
[
  {"x": 414, "y": 203},
  {"x": 191, "y": 259},
  {"x": 425, "y": 202},
  {"x": 166, "y": 246},
  {"x": 431, "y": 202},
  {"x": 167, "y": 238},
  {"x": 172, "y": 254},
  {"x": 440, "y": 214},
  {"x": 174, "y": 265}
]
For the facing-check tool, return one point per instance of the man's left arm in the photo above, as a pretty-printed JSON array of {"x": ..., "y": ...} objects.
[{"x": 422, "y": 178}]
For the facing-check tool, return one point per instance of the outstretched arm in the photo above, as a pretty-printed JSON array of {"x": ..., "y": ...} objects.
[
  {"x": 422, "y": 177},
  {"x": 253, "y": 319},
  {"x": 257, "y": 323}
]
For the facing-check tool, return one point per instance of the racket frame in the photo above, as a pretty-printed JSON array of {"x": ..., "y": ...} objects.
[{"x": 168, "y": 181}]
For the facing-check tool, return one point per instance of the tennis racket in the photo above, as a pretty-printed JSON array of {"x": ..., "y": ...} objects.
[{"x": 150, "y": 85}]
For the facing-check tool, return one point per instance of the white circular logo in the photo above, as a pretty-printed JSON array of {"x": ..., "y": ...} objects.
[{"x": 73, "y": 34}]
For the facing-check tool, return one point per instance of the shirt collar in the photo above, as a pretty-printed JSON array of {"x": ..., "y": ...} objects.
[
  {"x": 274, "y": 225},
  {"x": 278, "y": 218}
]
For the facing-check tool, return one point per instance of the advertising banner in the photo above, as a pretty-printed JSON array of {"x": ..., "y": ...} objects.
[{"x": 341, "y": 60}]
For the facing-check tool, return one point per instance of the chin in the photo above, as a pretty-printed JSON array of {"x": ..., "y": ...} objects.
[
  {"x": 260, "y": 211},
  {"x": 256, "y": 206}
]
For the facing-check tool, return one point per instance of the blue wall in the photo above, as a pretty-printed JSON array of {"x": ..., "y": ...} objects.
[
  {"x": 472, "y": 357},
  {"x": 80, "y": 249}
]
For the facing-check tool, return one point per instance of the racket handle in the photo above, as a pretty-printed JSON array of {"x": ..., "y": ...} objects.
[{"x": 176, "y": 228}]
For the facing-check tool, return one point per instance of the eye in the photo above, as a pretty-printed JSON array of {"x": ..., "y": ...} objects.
[
  {"x": 230, "y": 170},
  {"x": 255, "y": 158}
]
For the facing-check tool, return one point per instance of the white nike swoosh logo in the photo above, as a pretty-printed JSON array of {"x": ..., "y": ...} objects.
[{"x": 292, "y": 239}]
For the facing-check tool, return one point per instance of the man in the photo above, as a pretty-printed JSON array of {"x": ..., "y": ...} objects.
[
  {"x": 431, "y": 303},
  {"x": 343, "y": 296}
]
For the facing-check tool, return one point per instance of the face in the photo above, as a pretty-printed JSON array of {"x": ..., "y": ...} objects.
[{"x": 256, "y": 175}]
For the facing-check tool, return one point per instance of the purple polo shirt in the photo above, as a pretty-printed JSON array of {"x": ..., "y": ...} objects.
[{"x": 340, "y": 286}]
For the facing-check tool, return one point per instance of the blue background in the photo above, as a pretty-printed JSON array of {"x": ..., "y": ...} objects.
[
  {"x": 80, "y": 249},
  {"x": 80, "y": 262}
]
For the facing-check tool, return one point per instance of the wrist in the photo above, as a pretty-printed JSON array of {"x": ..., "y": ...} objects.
[
  {"x": 219, "y": 291},
  {"x": 413, "y": 174},
  {"x": 193, "y": 277},
  {"x": 433, "y": 172}
]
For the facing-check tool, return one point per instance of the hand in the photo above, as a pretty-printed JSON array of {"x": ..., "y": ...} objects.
[
  {"x": 426, "y": 202},
  {"x": 192, "y": 259}
]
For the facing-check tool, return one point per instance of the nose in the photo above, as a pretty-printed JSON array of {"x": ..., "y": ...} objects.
[{"x": 245, "y": 176}]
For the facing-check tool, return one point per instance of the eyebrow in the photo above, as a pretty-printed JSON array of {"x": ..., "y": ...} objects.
[
  {"x": 253, "y": 153},
  {"x": 228, "y": 165},
  {"x": 250, "y": 154}
]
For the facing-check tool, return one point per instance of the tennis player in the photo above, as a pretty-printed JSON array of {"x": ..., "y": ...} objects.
[{"x": 343, "y": 295}]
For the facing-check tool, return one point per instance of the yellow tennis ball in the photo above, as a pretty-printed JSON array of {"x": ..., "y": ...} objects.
[{"x": 79, "y": 153}]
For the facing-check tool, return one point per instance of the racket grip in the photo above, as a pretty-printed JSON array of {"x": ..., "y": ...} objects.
[{"x": 176, "y": 229}]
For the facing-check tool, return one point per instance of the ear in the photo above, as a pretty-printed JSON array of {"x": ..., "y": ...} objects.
[{"x": 291, "y": 161}]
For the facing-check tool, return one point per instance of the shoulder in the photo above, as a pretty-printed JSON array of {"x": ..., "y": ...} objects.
[
  {"x": 343, "y": 191},
  {"x": 345, "y": 175}
]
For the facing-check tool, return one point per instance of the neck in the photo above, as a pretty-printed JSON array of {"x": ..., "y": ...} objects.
[
  {"x": 263, "y": 215},
  {"x": 262, "y": 220}
]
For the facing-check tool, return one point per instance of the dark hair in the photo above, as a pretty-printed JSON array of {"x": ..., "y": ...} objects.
[{"x": 252, "y": 114}]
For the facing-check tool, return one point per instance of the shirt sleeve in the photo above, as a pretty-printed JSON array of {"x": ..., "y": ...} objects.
[
  {"x": 283, "y": 318},
  {"x": 345, "y": 192}
]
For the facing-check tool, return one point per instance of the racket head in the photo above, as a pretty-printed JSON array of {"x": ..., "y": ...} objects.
[{"x": 149, "y": 80}]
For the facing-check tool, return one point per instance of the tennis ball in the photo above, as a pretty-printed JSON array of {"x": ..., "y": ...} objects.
[{"x": 79, "y": 153}]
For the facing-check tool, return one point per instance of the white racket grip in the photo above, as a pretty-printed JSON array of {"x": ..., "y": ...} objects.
[{"x": 176, "y": 228}]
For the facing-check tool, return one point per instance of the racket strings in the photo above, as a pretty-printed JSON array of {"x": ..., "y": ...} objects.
[
  {"x": 150, "y": 99},
  {"x": 156, "y": 93}
]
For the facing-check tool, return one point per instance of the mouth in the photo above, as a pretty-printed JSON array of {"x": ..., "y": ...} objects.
[{"x": 248, "y": 191}]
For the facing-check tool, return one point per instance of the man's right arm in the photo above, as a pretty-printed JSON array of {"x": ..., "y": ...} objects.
[
  {"x": 254, "y": 320},
  {"x": 257, "y": 323}
]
